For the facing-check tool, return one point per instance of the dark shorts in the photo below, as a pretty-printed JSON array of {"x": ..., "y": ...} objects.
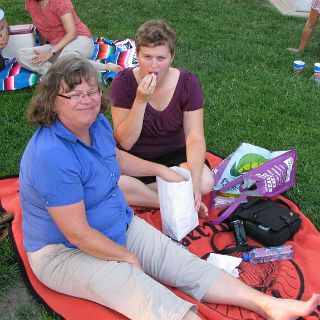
[{"x": 171, "y": 159}]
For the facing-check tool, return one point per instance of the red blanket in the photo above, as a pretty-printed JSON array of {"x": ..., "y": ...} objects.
[{"x": 295, "y": 278}]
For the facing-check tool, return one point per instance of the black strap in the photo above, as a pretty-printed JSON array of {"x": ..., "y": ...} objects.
[
  {"x": 288, "y": 221},
  {"x": 281, "y": 202},
  {"x": 253, "y": 201},
  {"x": 230, "y": 250}
]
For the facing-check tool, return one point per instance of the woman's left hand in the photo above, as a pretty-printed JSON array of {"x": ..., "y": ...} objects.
[
  {"x": 41, "y": 57},
  {"x": 197, "y": 196},
  {"x": 200, "y": 207}
]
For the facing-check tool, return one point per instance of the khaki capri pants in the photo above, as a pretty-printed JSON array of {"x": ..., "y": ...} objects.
[
  {"x": 81, "y": 46},
  {"x": 123, "y": 287}
]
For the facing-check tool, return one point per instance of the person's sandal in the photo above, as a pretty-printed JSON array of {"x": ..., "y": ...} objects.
[
  {"x": 4, "y": 231},
  {"x": 5, "y": 217}
]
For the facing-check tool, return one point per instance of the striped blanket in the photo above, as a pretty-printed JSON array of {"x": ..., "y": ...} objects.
[{"x": 121, "y": 52}]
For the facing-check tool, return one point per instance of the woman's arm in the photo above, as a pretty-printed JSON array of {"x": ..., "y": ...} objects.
[
  {"x": 127, "y": 124},
  {"x": 72, "y": 222},
  {"x": 70, "y": 31},
  {"x": 196, "y": 148},
  {"x": 70, "y": 35},
  {"x": 42, "y": 39}
]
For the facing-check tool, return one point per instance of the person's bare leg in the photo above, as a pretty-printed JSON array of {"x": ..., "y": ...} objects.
[
  {"x": 113, "y": 67},
  {"x": 190, "y": 315},
  {"x": 153, "y": 186},
  {"x": 228, "y": 290},
  {"x": 137, "y": 193},
  {"x": 206, "y": 178},
  {"x": 307, "y": 31}
]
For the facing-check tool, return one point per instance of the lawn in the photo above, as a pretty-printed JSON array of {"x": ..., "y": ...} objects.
[{"x": 237, "y": 48}]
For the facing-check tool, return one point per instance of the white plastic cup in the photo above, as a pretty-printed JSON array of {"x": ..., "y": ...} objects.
[
  {"x": 298, "y": 66},
  {"x": 316, "y": 67}
]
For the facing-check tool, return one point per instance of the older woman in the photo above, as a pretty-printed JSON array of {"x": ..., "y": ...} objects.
[
  {"x": 81, "y": 236},
  {"x": 61, "y": 32},
  {"x": 158, "y": 114}
]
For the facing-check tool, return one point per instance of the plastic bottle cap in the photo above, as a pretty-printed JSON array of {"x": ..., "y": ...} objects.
[{"x": 245, "y": 257}]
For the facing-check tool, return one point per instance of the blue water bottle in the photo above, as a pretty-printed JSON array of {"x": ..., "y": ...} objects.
[{"x": 262, "y": 255}]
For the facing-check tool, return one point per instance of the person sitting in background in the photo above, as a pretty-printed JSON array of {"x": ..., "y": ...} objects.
[
  {"x": 61, "y": 32},
  {"x": 4, "y": 30},
  {"x": 309, "y": 27},
  {"x": 4, "y": 36},
  {"x": 157, "y": 115},
  {"x": 81, "y": 237}
]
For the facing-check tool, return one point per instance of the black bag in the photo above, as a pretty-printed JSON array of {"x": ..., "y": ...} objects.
[{"x": 268, "y": 222}]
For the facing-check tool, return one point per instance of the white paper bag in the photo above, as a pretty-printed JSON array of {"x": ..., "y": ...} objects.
[{"x": 177, "y": 209}]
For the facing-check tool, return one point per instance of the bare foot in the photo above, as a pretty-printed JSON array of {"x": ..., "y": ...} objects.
[
  {"x": 113, "y": 67},
  {"x": 203, "y": 211},
  {"x": 295, "y": 50},
  {"x": 289, "y": 309}
]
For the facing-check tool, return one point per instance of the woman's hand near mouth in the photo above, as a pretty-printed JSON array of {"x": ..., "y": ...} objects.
[{"x": 146, "y": 87}]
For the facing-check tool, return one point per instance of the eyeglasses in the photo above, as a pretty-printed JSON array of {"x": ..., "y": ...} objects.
[{"x": 95, "y": 94}]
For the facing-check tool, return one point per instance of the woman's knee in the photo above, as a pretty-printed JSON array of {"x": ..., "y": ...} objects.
[
  {"x": 207, "y": 180},
  {"x": 129, "y": 184},
  {"x": 24, "y": 54}
]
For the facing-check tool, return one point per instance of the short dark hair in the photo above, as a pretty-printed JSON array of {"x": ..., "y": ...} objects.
[
  {"x": 70, "y": 70},
  {"x": 156, "y": 33}
]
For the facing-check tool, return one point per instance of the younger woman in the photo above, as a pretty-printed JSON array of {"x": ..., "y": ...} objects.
[
  {"x": 61, "y": 32},
  {"x": 158, "y": 115}
]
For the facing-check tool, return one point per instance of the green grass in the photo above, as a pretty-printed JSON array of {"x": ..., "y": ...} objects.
[
  {"x": 8, "y": 269},
  {"x": 237, "y": 48}
]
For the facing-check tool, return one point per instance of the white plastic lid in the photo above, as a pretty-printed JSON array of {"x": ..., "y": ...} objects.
[
  {"x": 245, "y": 257},
  {"x": 1, "y": 14}
]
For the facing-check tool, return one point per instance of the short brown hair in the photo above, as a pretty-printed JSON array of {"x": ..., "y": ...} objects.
[
  {"x": 156, "y": 33},
  {"x": 70, "y": 70}
]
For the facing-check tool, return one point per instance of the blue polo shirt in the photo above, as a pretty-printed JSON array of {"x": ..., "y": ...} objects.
[{"x": 58, "y": 169}]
